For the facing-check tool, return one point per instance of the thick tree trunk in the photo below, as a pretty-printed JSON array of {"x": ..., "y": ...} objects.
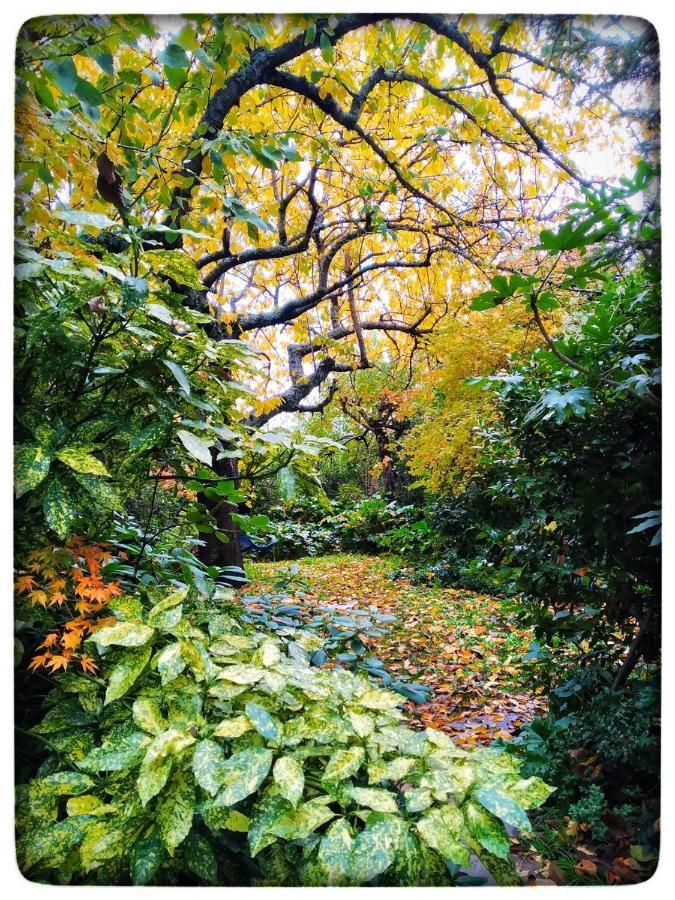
[
  {"x": 214, "y": 552},
  {"x": 387, "y": 463}
]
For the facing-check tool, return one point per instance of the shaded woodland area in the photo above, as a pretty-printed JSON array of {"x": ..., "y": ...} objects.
[{"x": 337, "y": 463}]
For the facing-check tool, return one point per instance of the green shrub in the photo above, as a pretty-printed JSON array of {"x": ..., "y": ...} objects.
[{"x": 209, "y": 752}]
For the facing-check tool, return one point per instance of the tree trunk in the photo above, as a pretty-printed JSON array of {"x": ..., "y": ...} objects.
[
  {"x": 388, "y": 473},
  {"x": 214, "y": 552},
  {"x": 635, "y": 652}
]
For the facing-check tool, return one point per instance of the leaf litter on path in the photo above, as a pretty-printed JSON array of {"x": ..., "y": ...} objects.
[{"x": 466, "y": 646}]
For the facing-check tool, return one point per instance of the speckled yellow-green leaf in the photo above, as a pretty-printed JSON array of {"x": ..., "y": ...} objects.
[
  {"x": 146, "y": 858},
  {"x": 60, "y": 784},
  {"x": 173, "y": 599},
  {"x": 130, "y": 664},
  {"x": 217, "y": 817},
  {"x": 301, "y": 822},
  {"x": 52, "y": 843},
  {"x": 89, "y": 805},
  {"x": 233, "y": 728},
  {"x": 148, "y": 716},
  {"x": 123, "y": 634},
  {"x": 81, "y": 459},
  {"x": 158, "y": 761},
  {"x": 175, "y": 811},
  {"x": 209, "y": 766},
  {"x": 406, "y": 869},
  {"x": 378, "y": 699},
  {"x": 392, "y": 770},
  {"x": 502, "y": 806},
  {"x": 269, "y": 653},
  {"x": 343, "y": 764},
  {"x": 200, "y": 858},
  {"x": 97, "y": 490},
  {"x": 244, "y": 772},
  {"x": 242, "y": 674},
  {"x": 31, "y": 465},
  {"x": 170, "y": 663},
  {"x": 117, "y": 754},
  {"x": 529, "y": 792},
  {"x": 289, "y": 775},
  {"x": 59, "y": 507},
  {"x": 418, "y": 799},
  {"x": 373, "y": 798},
  {"x": 263, "y": 722},
  {"x": 267, "y": 811},
  {"x": 486, "y": 829},
  {"x": 334, "y": 854},
  {"x": 375, "y": 849},
  {"x": 362, "y": 723},
  {"x": 441, "y": 830}
]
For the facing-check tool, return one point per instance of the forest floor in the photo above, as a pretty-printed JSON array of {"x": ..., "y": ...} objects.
[
  {"x": 470, "y": 648},
  {"x": 466, "y": 646}
]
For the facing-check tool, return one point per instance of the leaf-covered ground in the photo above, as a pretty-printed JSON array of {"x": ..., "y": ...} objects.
[{"x": 466, "y": 646}]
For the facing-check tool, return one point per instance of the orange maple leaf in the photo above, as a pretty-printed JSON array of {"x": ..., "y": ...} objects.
[
  {"x": 58, "y": 662},
  {"x": 24, "y": 584},
  {"x": 49, "y": 641},
  {"x": 37, "y": 661},
  {"x": 40, "y": 597},
  {"x": 88, "y": 664}
]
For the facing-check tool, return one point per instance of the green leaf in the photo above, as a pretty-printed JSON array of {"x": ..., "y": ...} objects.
[
  {"x": 196, "y": 447},
  {"x": 123, "y": 634},
  {"x": 175, "y": 811},
  {"x": 209, "y": 766},
  {"x": 158, "y": 761},
  {"x": 343, "y": 764},
  {"x": 262, "y": 721},
  {"x": 134, "y": 293},
  {"x": 233, "y": 728},
  {"x": 173, "y": 599},
  {"x": 487, "y": 830},
  {"x": 299, "y": 823},
  {"x": 392, "y": 770},
  {"x": 374, "y": 798},
  {"x": 80, "y": 459},
  {"x": 310, "y": 34},
  {"x": 375, "y": 849},
  {"x": 59, "y": 508},
  {"x": 64, "y": 73},
  {"x": 289, "y": 776},
  {"x": 129, "y": 666},
  {"x": 441, "y": 830},
  {"x": 31, "y": 465},
  {"x": 335, "y": 853},
  {"x": 87, "y": 93},
  {"x": 148, "y": 716},
  {"x": 80, "y": 217},
  {"x": 502, "y": 806},
  {"x": 176, "y": 265},
  {"x": 530, "y": 792},
  {"x": 181, "y": 377},
  {"x": 200, "y": 857},
  {"x": 244, "y": 772},
  {"x": 146, "y": 858},
  {"x": 266, "y": 812},
  {"x": 326, "y": 48},
  {"x": 174, "y": 56},
  {"x": 52, "y": 843},
  {"x": 170, "y": 663},
  {"x": 242, "y": 674},
  {"x": 149, "y": 437},
  {"x": 119, "y": 753}
]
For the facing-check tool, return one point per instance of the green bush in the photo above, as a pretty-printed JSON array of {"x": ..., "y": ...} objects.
[{"x": 209, "y": 752}]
